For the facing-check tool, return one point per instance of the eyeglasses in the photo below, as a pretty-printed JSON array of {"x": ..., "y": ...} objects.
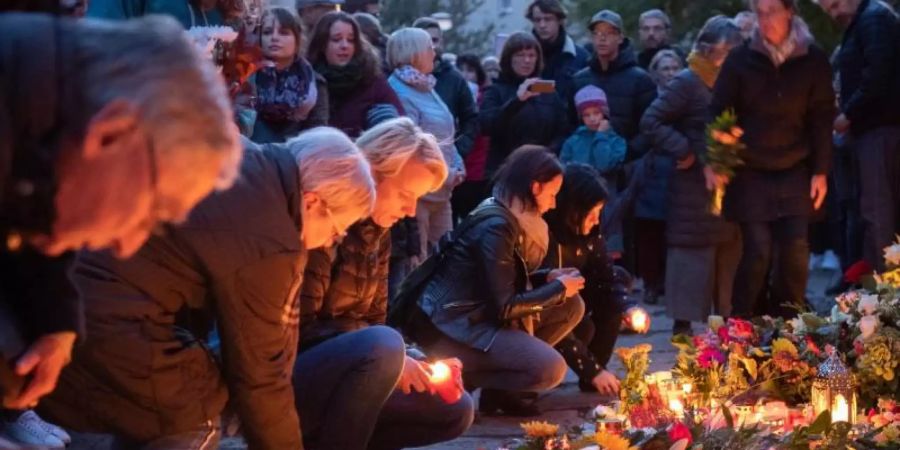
[
  {"x": 335, "y": 229},
  {"x": 602, "y": 35}
]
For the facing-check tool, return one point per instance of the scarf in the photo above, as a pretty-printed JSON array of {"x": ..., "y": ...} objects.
[
  {"x": 287, "y": 95},
  {"x": 797, "y": 43},
  {"x": 535, "y": 235},
  {"x": 703, "y": 68},
  {"x": 418, "y": 80},
  {"x": 342, "y": 80}
]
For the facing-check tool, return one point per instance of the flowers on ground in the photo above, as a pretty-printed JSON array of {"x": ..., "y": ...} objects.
[{"x": 540, "y": 429}]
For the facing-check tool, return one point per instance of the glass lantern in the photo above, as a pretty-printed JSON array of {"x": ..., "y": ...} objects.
[{"x": 834, "y": 390}]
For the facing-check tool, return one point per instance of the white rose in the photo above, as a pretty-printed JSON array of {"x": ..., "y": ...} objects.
[
  {"x": 797, "y": 325},
  {"x": 868, "y": 304},
  {"x": 867, "y": 326}
]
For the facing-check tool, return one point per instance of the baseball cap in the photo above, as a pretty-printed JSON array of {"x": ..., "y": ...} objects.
[{"x": 609, "y": 17}]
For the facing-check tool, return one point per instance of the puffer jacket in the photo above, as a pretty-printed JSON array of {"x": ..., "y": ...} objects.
[
  {"x": 512, "y": 123},
  {"x": 786, "y": 113},
  {"x": 629, "y": 91},
  {"x": 497, "y": 288},
  {"x": 345, "y": 288},
  {"x": 602, "y": 150},
  {"x": 238, "y": 261},
  {"x": 869, "y": 66},
  {"x": 676, "y": 123}
]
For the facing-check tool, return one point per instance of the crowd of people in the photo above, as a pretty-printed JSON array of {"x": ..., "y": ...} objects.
[{"x": 294, "y": 258}]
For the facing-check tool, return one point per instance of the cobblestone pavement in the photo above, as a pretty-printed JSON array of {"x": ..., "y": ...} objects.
[{"x": 565, "y": 405}]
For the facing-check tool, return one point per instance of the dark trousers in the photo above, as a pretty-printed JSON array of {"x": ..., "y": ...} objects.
[
  {"x": 782, "y": 245},
  {"x": 517, "y": 361},
  {"x": 346, "y": 398},
  {"x": 650, "y": 240},
  {"x": 879, "y": 164}
]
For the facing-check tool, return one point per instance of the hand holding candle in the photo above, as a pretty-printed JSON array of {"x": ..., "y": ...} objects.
[
  {"x": 446, "y": 379},
  {"x": 638, "y": 319}
]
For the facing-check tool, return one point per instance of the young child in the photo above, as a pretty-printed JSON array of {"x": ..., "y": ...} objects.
[{"x": 596, "y": 144}]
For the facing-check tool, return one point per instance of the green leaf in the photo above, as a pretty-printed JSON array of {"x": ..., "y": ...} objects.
[{"x": 821, "y": 424}]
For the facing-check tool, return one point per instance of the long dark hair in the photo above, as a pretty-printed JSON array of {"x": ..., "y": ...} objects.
[
  {"x": 517, "y": 42},
  {"x": 473, "y": 62},
  {"x": 582, "y": 189},
  {"x": 526, "y": 165},
  {"x": 363, "y": 55}
]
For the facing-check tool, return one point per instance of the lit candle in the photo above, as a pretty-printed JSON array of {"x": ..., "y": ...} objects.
[
  {"x": 676, "y": 407},
  {"x": 687, "y": 388},
  {"x": 841, "y": 410},
  {"x": 445, "y": 380},
  {"x": 638, "y": 320}
]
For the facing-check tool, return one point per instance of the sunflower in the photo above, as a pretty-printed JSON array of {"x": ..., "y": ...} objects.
[
  {"x": 608, "y": 441},
  {"x": 539, "y": 430}
]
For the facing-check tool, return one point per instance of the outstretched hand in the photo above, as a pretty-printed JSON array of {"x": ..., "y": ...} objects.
[{"x": 43, "y": 361}]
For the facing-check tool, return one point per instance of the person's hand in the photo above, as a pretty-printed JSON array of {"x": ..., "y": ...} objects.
[
  {"x": 524, "y": 93},
  {"x": 573, "y": 283},
  {"x": 44, "y": 361},
  {"x": 641, "y": 328},
  {"x": 606, "y": 383},
  {"x": 687, "y": 162},
  {"x": 604, "y": 126},
  {"x": 414, "y": 377},
  {"x": 842, "y": 124},
  {"x": 556, "y": 273},
  {"x": 713, "y": 180},
  {"x": 818, "y": 187}
]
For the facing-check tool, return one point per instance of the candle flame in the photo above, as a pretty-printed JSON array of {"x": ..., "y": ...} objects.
[
  {"x": 638, "y": 319},
  {"x": 440, "y": 372},
  {"x": 687, "y": 387},
  {"x": 841, "y": 411}
]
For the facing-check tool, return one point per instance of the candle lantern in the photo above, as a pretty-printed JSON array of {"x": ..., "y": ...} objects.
[{"x": 834, "y": 389}]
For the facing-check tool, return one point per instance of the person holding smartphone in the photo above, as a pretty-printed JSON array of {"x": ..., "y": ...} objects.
[{"x": 517, "y": 109}]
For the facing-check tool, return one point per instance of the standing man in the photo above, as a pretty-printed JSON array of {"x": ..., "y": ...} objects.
[
  {"x": 779, "y": 85},
  {"x": 654, "y": 28},
  {"x": 868, "y": 66},
  {"x": 562, "y": 57},
  {"x": 310, "y": 11}
]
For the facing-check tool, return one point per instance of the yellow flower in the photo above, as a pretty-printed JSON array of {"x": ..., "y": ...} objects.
[
  {"x": 892, "y": 278},
  {"x": 539, "y": 430},
  {"x": 643, "y": 348},
  {"x": 784, "y": 345},
  {"x": 608, "y": 441}
]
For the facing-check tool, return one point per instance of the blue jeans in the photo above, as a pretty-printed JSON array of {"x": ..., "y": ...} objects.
[{"x": 205, "y": 437}]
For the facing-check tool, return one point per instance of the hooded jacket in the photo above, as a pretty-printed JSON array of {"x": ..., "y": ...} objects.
[
  {"x": 238, "y": 261},
  {"x": 629, "y": 91},
  {"x": 786, "y": 112}
]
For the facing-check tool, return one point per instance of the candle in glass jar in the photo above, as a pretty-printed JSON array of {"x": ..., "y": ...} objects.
[
  {"x": 444, "y": 379},
  {"x": 676, "y": 407},
  {"x": 638, "y": 320}
]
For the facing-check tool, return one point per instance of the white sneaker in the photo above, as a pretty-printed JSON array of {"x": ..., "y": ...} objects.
[
  {"x": 830, "y": 261},
  {"x": 28, "y": 430},
  {"x": 55, "y": 430}
]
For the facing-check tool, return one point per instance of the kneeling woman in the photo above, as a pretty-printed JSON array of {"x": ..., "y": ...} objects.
[
  {"x": 354, "y": 387},
  {"x": 487, "y": 304},
  {"x": 576, "y": 242}
]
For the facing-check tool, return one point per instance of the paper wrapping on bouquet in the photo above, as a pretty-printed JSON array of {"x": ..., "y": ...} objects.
[{"x": 447, "y": 381}]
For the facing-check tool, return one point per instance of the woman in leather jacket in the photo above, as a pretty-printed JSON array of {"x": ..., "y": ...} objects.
[
  {"x": 575, "y": 241},
  {"x": 488, "y": 304}
]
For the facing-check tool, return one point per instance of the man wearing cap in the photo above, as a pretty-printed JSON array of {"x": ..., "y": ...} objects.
[
  {"x": 310, "y": 11},
  {"x": 562, "y": 58},
  {"x": 614, "y": 68}
]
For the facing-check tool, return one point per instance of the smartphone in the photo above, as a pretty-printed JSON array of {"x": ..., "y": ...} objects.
[{"x": 543, "y": 87}]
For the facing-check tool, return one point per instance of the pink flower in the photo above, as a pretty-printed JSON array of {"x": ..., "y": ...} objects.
[
  {"x": 723, "y": 335},
  {"x": 740, "y": 329},
  {"x": 708, "y": 356}
]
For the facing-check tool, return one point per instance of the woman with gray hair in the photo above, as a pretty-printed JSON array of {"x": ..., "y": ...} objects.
[
  {"x": 703, "y": 249},
  {"x": 146, "y": 374},
  {"x": 346, "y": 352},
  {"x": 410, "y": 55}
]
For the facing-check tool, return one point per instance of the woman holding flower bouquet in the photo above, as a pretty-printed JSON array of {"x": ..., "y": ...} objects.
[
  {"x": 779, "y": 86},
  {"x": 706, "y": 247}
]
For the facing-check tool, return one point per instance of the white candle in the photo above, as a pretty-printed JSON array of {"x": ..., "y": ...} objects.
[
  {"x": 841, "y": 410},
  {"x": 638, "y": 320}
]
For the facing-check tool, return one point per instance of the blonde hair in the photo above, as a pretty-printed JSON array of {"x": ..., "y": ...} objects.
[
  {"x": 333, "y": 167},
  {"x": 406, "y": 45},
  {"x": 390, "y": 145}
]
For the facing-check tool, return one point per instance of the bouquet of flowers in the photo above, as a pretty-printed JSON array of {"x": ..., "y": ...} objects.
[{"x": 723, "y": 147}]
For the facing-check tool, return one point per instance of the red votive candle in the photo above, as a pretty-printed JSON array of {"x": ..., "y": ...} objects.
[{"x": 447, "y": 381}]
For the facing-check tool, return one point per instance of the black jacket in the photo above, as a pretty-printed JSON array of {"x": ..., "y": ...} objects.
[
  {"x": 453, "y": 89},
  {"x": 562, "y": 59},
  {"x": 869, "y": 67},
  {"x": 676, "y": 124},
  {"x": 494, "y": 291},
  {"x": 629, "y": 91},
  {"x": 36, "y": 296},
  {"x": 786, "y": 113},
  {"x": 345, "y": 288},
  {"x": 237, "y": 261},
  {"x": 511, "y": 123}
]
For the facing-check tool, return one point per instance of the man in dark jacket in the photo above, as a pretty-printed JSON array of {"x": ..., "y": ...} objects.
[
  {"x": 654, "y": 27},
  {"x": 90, "y": 157},
  {"x": 779, "y": 85},
  {"x": 613, "y": 68},
  {"x": 453, "y": 89},
  {"x": 562, "y": 58},
  {"x": 868, "y": 66},
  {"x": 146, "y": 374}
]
